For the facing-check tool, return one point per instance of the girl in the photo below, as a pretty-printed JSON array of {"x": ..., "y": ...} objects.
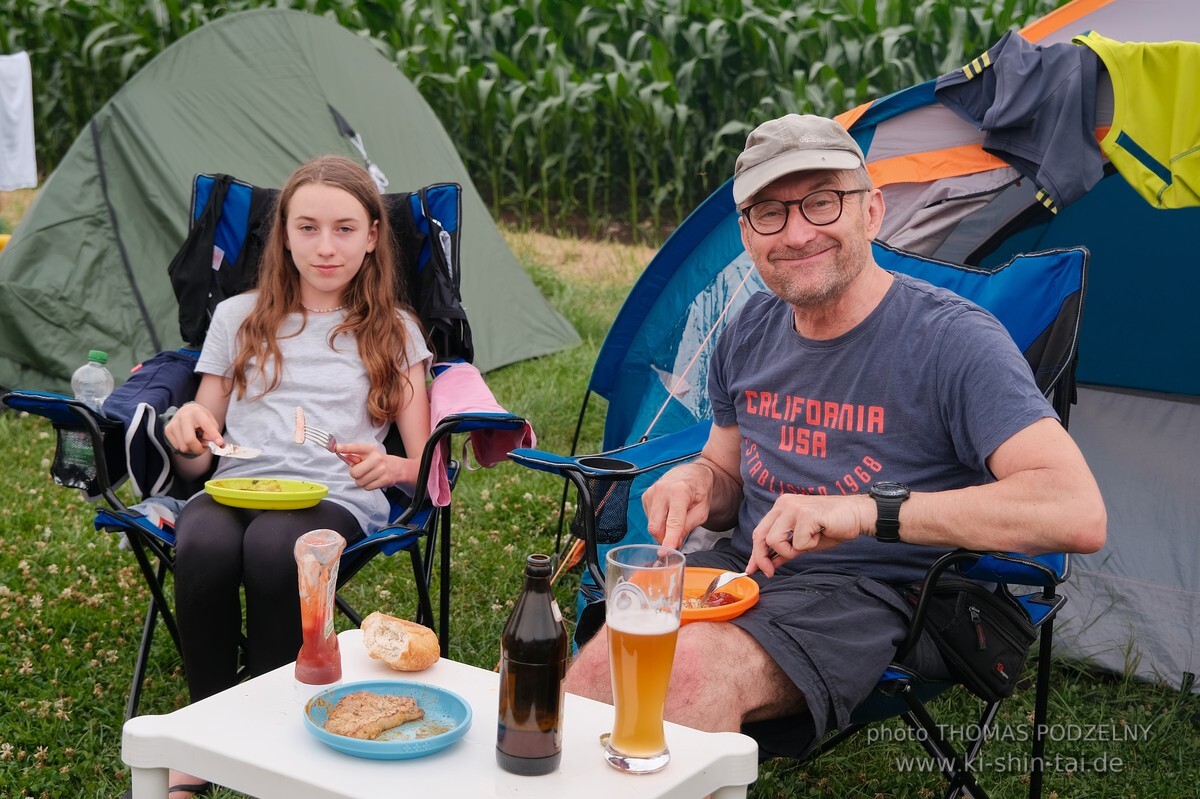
[{"x": 324, "y": 330}]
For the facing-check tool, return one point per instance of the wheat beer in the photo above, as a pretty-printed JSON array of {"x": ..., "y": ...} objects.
[
  {"x": 643, "y": 597},
  {"x": 641, "y": 649}
]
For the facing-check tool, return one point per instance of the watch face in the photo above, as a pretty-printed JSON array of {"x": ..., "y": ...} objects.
[{"x": 890, "y": 490}]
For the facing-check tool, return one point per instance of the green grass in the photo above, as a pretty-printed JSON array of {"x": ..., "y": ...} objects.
[{"x": 72, "y": 604}]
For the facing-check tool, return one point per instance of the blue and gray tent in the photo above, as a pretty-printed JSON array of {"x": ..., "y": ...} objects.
[{"x": 950, "y": 196}]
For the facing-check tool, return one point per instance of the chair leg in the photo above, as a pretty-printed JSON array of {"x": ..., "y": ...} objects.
[
  {"x": 156, "y": 607},
  {"x": 431, "y": 542},
  {"x": 985, "y": 723},
  {"x": 954, "y": 766},
  {"x": 439, "y": 526},
  {"x": 444, "y": 584},
  {"x": 1040, "y": 706},
  {"x": 831, "y": 742},
  {"x": 155, "y": 579},
  {"x": 424, "y": 604},
  {"x": 347, "y": 610},
  {"x": 143, "y": 657}
]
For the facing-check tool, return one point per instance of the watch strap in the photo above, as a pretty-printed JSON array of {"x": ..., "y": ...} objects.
[
  {"x": 887, "y": 524},
  {"x": 888, "y": 496}
]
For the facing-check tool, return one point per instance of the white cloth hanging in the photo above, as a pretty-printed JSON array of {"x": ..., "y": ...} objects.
[{"x": 18, "y": 165}]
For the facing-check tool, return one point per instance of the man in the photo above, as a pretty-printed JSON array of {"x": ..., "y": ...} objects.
[{"x": 829, "y": 394}]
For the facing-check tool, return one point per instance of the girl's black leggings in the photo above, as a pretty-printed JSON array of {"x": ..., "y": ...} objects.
[{"x": 219, "y": 549}]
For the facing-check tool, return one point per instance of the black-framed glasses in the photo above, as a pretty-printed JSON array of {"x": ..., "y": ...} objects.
[{"x": 820, "y": 208}]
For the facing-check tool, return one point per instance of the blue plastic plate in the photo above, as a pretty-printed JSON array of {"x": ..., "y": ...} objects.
[{"x": 447, "y": 718}]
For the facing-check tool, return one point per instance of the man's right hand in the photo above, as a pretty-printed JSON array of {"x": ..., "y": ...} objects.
[{"x": 679, "y": 502}]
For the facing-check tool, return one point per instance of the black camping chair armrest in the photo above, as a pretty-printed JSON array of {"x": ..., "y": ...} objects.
[
  {"x": 89, "y": 454},
  {"x": 628, "y": 461},
  {"x": 446, "y": 429},
  {"x": 1042, "y": 571},
  {"x": 622, "y": 464}
]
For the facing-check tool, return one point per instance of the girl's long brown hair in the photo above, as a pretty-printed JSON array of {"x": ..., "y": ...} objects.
[{"x": 371, "y": 299}]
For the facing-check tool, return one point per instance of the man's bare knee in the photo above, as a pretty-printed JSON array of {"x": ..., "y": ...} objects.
[
  {"x": 722, "y": 678},
  {"x": 588, "y": 675}
]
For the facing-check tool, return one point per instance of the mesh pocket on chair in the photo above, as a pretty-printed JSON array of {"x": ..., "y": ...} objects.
[
  {"x": 74, "y": 460},
  {"x": 74, "y": 463},
  {"x": 610, "y": 500}
]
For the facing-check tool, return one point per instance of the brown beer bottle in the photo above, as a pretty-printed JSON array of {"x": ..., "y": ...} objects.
[{"x": 533, "y": 662}]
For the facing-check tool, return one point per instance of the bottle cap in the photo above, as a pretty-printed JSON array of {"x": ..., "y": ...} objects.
[{"x": 100, "y": 356}]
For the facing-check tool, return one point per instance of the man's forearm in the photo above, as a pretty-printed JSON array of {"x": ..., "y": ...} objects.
[
  {"x": 725, "y": 497},
  {"x": 1045, "y": 499},
  {"x": 1020, "y": 514}
]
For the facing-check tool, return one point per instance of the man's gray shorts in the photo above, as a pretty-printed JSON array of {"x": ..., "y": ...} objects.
[{"x": 833, "y": 634}]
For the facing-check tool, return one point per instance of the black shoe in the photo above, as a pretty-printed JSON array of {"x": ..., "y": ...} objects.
[{"x": 196, "y": 789}]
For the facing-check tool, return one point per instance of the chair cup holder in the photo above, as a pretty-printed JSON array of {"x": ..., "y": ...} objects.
[
  {"x": 605, "y": 463},
  {"x": 609, "y": 501}
]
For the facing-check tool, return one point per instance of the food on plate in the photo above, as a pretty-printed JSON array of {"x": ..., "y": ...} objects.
[
  {"x": 404, "y": 645},
  {"x": 720, "y": 598},
  {"x": 298, "y": 436},
  {"x": 716, "y": 600},
  {"x": 366, "y": 715},
  {"x": 262, "y": 485}
]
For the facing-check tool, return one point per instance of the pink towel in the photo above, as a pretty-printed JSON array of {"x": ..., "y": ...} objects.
[{"x": 460, "y": 389}]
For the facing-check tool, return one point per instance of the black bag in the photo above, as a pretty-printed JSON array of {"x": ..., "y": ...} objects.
[
  {"x": 158, "y": 384},
  {"x": 983, "y": 633}
]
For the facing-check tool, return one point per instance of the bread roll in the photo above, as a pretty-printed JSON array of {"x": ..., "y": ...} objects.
[{"x": 404, "y": 645}]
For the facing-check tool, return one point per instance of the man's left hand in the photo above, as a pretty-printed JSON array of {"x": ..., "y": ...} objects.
[{"x": 800, "y": 523}]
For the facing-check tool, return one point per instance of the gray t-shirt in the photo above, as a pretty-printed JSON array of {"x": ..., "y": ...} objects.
[
  {"x": 921, "y": 392},
  {"x": 329, "y": 382}
]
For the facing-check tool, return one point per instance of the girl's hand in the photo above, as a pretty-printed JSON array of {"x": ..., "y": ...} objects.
[
  {"x": 374, "y": 468},
  {"x": 191, "y": 426}
]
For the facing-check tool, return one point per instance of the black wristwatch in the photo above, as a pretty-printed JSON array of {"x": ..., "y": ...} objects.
[{"x": 888, "y": 497}]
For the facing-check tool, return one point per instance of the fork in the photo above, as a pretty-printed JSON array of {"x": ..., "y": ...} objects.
[
  {"x": 722, "y": 579},
  {"x": 327, "y": 440}
]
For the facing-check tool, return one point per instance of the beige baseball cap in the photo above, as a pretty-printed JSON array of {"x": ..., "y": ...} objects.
[{"x": 792, "y": 143}]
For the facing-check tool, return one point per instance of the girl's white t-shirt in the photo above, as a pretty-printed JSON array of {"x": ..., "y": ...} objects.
[{"x": 328, "y": 381}]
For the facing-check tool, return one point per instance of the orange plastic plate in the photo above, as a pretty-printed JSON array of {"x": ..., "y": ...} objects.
[{"x": 696, "y": 579}]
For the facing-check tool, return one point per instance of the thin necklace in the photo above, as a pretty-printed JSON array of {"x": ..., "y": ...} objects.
[{"x": 321, "y": 310}]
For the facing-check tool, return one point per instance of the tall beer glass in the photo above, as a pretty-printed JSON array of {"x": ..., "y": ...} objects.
[{"x": 644, "y": 587}]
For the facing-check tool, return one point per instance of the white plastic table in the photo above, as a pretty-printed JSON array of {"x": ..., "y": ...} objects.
[{"x": 252, "y": 739}]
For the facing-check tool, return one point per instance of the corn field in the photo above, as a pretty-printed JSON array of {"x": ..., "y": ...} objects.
[{"x": 581, "y": 115}]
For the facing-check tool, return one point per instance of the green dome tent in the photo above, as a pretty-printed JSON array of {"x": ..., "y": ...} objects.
[{"x": 251, "y": 95}]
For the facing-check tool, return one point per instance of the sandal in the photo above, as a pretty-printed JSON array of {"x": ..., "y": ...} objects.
[{"x": 195, "y": 788}]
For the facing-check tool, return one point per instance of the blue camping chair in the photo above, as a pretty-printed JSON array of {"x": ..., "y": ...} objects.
[
  {"x": 97, "y": 453},
  {"x": 651, "y": 370}
]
